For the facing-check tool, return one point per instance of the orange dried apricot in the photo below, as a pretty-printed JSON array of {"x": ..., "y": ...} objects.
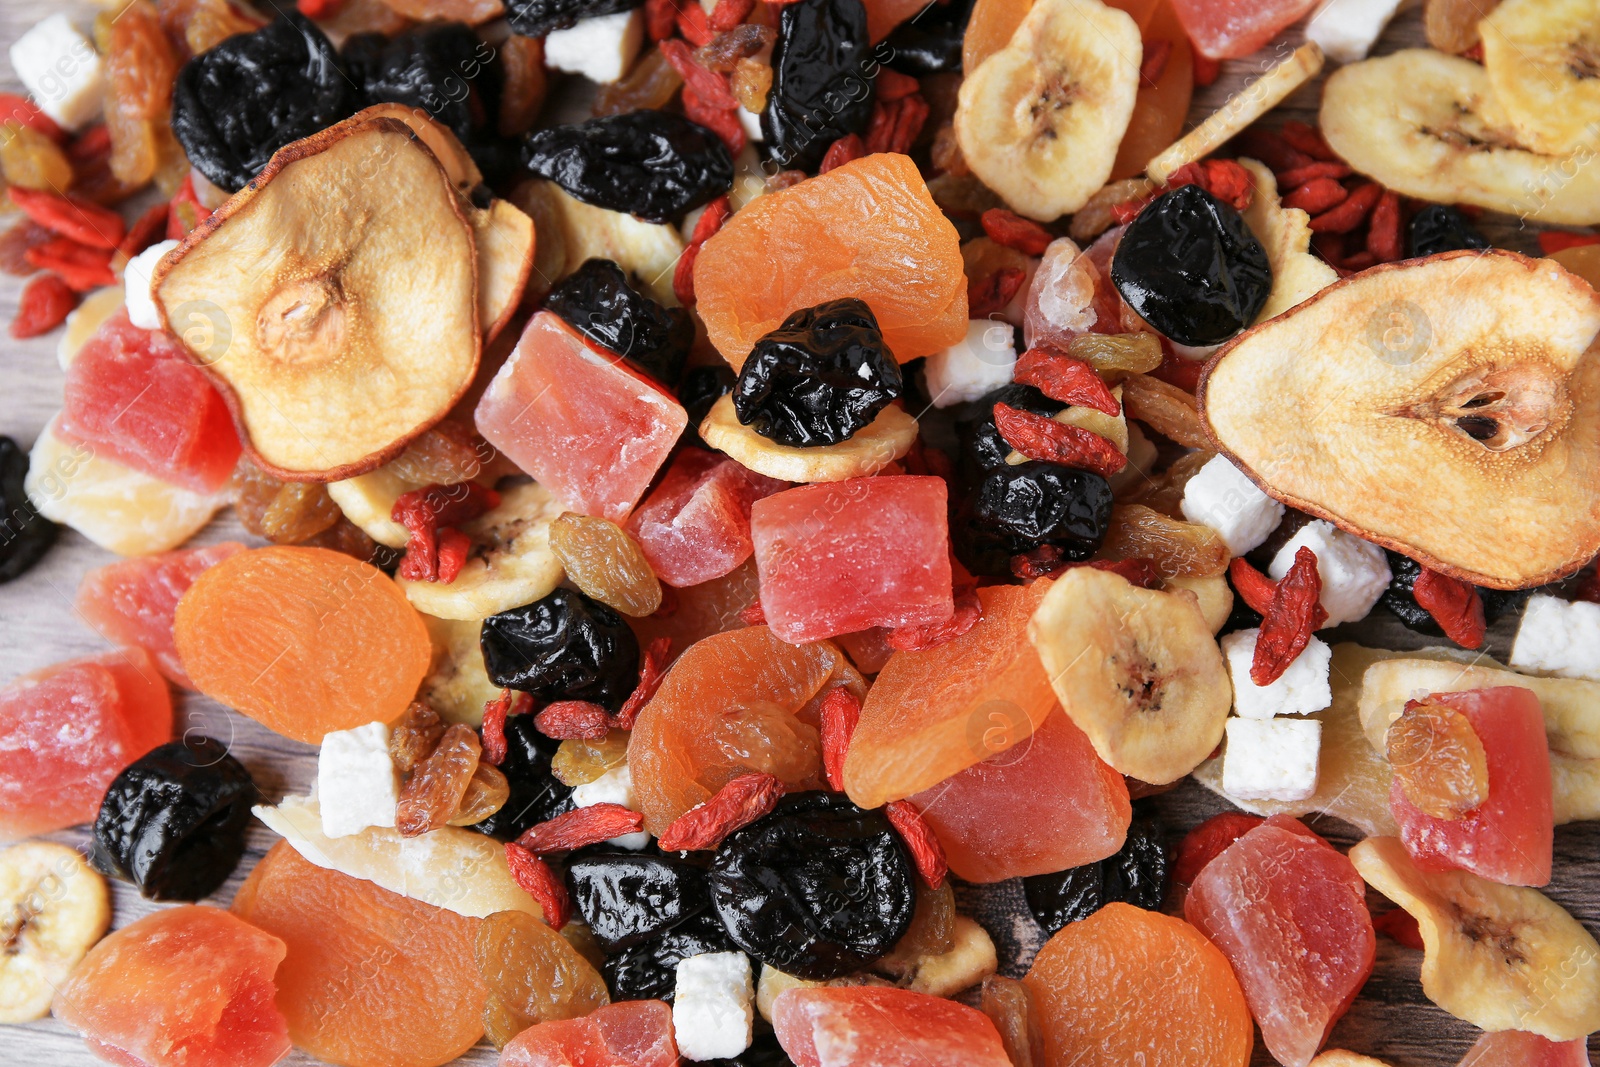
[{"x": 990, "y": 28}]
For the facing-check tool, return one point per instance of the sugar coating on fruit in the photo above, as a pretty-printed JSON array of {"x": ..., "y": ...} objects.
[
  {"x": 357, "y": 783},
  {"x": 873, "y": 1026},
  {"x": 1354, "y": 572},
  {"x": 633, "y": 1033},
  {"x": 1346, "y": 30},
  {"x": 844, "y": 556},
  {"x": 615, "y": 786},
  {"x": 1271, "y": 759},
  {"x": 601, "y": 48},
  {"x": 1300, "y": 690},
  {"x": 1559, "y": 637},
  {"x": 141, "y": 305},
  {"x": 64, "y": 75},
  {"x": 695, "y": 525},
  {"x": 1222, "y": 497},
  {"x": 973, "y": 367},
  {"x": 712, "y": 1005}
]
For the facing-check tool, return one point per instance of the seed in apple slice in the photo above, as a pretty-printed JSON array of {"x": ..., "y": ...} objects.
[
  {"x": 1447, "y": 408},
  {"x": 334, "y": 300}
]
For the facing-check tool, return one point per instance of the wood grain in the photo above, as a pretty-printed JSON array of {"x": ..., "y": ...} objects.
[{"x": 1391, "y": 1019}]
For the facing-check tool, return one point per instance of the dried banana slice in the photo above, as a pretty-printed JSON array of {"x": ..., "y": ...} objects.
[
  {"x": 1136, "y": 669},
  {"x": 1214, "y": 595},
  {"x": 1285, "y": 232},
  {"x": 1543, "y": 62},
  {"x": 1575, "y": 788},
  {"x": 53, "y": 908},
  {"x": 881, "y": 442},
  {"x": 1501, "y": 957},
  {"x": 458, "y": 686},
  {"x": 1039, "y": 121},
  {"x": 1426, "y": 124}
]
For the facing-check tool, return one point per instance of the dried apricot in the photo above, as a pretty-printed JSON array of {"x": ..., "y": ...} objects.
[
  {"x": 606, "y": 563},
  {"x": 693, "y": 614},
  {"x": 533, "y": 975}
]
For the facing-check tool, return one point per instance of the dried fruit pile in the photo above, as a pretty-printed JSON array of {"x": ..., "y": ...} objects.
[{"x": 865, "y": 460}]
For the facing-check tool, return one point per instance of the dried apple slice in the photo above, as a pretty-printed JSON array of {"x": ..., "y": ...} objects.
[
  {"x": 333, "y": 300},
  {"x": 1447, "y": 408}
]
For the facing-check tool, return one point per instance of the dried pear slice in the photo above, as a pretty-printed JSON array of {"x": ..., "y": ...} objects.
[
  {"x": 504, "y": 236},
  {"x": 1543, "y": 60},
  {"x": 441, "y": 140},
  {"x": 1501, "y": 957},
  {"x": 1447, "y": 408},
  {"x": 882, "y": 441},
  {"x": 1285, "y": 233},
  {"x": 339, "y": 292}
]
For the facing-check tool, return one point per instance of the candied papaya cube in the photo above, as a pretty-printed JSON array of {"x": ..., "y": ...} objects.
[
  {"x": 634, "y": 1033},
  {"x": 842, "y": 556},
  {"x": 874, "y": 1026},
  {"x": 695, "y": 526},
  {"x": 585, "y": 425},
  {"x": 1231, "y": 29}
]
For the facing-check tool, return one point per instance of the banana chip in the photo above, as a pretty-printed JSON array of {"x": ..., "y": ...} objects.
[{"x": 53, "y": 908}]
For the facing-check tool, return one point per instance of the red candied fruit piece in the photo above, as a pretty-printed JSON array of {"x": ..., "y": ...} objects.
[
  {"x": 844, "y": 556},
  {"x": 1232, "y": 29},
  {"x": 633, "y": 1033},
  {"x": 695, "y": 526},
  {"x": 875, "y": 1026},
  {"x": 1208, "y": 841},
  {"x": 1518, "y": 1048}
]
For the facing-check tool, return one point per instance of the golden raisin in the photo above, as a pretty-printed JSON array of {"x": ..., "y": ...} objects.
[
  {"x": 751, "y": 82},
  {"x": 1105, "y": 352},
  {"x": 526, "y": 84},
  {"x": 1094, "y": 217},
  {"x": 415, "y": 736},
  {"x": 1164, "y": 492},
  {"x": 487, "y": 792},
  {"x": 1005, "y": 1002},
  {"x": 448, "y": 454},
  {"x": 1178, "y": 549},
  {"x": 141, "y": 68},
  {"x": 502, "y": 1022},
  {"x": 1438, "y": 760},
  {"x": 533, "y": 973},
  {"x": 649, "y": 86},
  {"x": 723, "y": 52},
  {"x": 31, "y": 160},
  {"x": 433, "y": 791},
  {"x": 932, "y": 930},
  {"x": 1166, "y": 409},
  {"x": 578, "y": 762},
  {"x": 946, "y": 153},
  {"x": 606, "y": 563},
  {"x": 298, "y": 510}
]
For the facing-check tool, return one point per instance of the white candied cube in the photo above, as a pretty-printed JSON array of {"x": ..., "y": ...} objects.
[
  {"x": 1354, "y": 572},
  {"x": 1222, "y": 497},
  {"x": 751, "y": 121},
  {"x": 600, "y": 48},
  {"x": 973, "y": 367},
  {"x": 1300, "y": 690},
  {"x": 712, "y": 1005},
  {"x": 613, "y": 787},
  {"x": 61, "y": 70},
  {"x": 1271, "y": 759},
  {"x": 1347, "y": 29},
  {"x": 136, "y": 275},
  {"x": 357, "y": 784},
  {"x": 1559, "y": 637}
]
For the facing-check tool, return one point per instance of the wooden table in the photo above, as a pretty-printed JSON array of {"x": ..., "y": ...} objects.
[{"x": 1391, "y": 1019}]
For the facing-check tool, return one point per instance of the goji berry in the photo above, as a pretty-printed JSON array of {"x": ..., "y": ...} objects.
[
  {"x": 729, "y": 13},
  {"x": 145, "y": 232},
  {"x": 1207, "y": 841},
  {"x": 652, "y": 669},
  {"x": 1205, "y": 69},
  {"x": 23, "y": 112},
  {"x": 1295, "y": 613},
  {"x": 1178, "y": 370},
  {"x": 754, "y": 615},
  {"x": 846, "y": 149},
  {"x": 683, "y": 276},
  {"x": 1012, "y": 230},
  {"x": 1300, "y": 175},
  {"x": 1589, "y": 588},
  {"x": 694, "y": 24},
  {"x": 88, "y": 224},
  {"x": 1154, "y": 64},
  {"x": 968, "y": 611},
  {"x": 46, "y": 302},
  {"x": 319, "y": 9},
  {"x": 1304, "y": 138},
  {"x": 1559, "y": 240},
  {"x": 1474, "y": 52},
  {"x": 425, "y": 512},
  {"x": 535, "y": 878},
  {"x": 892, "y": 85},
  {"x": 1271, "y": 149},
  {"x": 724, "y": 122},
  {"x": 91, "y": 147},
  {"x": 711, "y": 220},
  {"x": 1316, "y": 196},
  {"x": 580, "y": 827},
  {"x": 495, "y": 713},
  {"x": 1071, "y": 381},
  {"x": 81, "y": 267},
  {"x": 1455, "y": 605},
  {"x": 986, "y": 296},
  {"x": 185, "y": 211},
  {"x": 15, "y": 243},
  {"x": 1054, "y": 442},
  {"x": 1359, "y": 261},
  {"x": 926, "y": 852},
  {"x": 1222, "y": 178},
  {"x": 573, "y": 720},
  {"x": 661, "y": 19},
  {"x": 1128, "y": 210},
  {"x": 739, "y": 803},
  {"x": 840, "y": 713},
  {"x": 1399, "y": 926},
  {"x": 1348, "y": 215},
  {"x": 896, "y": 123},
  {"x": 1383, "y": 231},
  {"x": 1330, "y": 246},
  {"x": 709, "y": 85},
  {"x": 1253, "y": 587}
]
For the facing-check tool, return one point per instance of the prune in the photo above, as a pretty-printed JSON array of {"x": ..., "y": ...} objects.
[
  {"x": 599, "y": 302},
  {"x": 173, "y": 822},
  {"x": 649, "y": 971},
  {"x": 535, "y": 793},
  {"x": 535, "y": 18},
  {"x": 628, "y": 898},
  {"x": 1136, "y": 875},
  {"x": 1015, "y": 509},
  {"x": 564, "y": 646},
  {"x": 822, "y": 73},
  {"x": 25, "y": 535},
  {"x": 702, "y": 387},
  {"x": 238, "y": 103},
  {"x": 819, "y": 378},
  {"x": 1191, "y": 268},
  {"x": 930, "y": 41},
  {"x": 1399, "y": 600},
  {"x": 818, "y": 888},
  {"x": 1441, "y": 228},
  {"x": 652, "y": 164}
]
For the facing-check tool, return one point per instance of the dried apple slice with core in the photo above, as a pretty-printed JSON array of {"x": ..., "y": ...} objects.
[
  {"x": 333, "y": 300},
  {"x": 1447, "y": 408}
]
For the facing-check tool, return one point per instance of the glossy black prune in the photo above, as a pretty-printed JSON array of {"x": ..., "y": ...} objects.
[
  {"x": 1136, "y": 875},
  {"x": 818, "y": 889},
  {"x": 1015, "y": 509},
  {"x": 536, "y": 18},
  {"x": 173, "y": 822},
  {"x": 628, "y": 898},
  {"x": 25, "y": 535},
  {"x": 1441, "y": 228},
  {"x": 1401, "y": 601},
  {"x": 930, "y": 41},
  {"x": 536, "y": 793},
  {"x": 819, "y": 378},
  {"x": 563, "y": 646},
  {"x": 701, "y": 387},
  {"x": 599, "y": 302},
  {"x": 822, "y": 74},
  {"x": 649, "y": 971},
  {"x": 237, "y": 103},
  {"x": 652, "y": 164},
  {"x": 1191, "y": 268}
]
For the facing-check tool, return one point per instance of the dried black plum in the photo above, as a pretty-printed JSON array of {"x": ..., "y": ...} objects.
[
  {"x": 822, "y": 73},
  {"x": 1136, "y": 875},
  {"x": 628, "y": 898},
  {"x": 1400, "y": 600},
  {"x": 599, "y": 302},
  {"x": 652, "y": 164},
  {"x": 1191, "y": 268},
  {"x": 173, "y": 822},
  {"x": 25, "y": 535},
  {"x": 535, "y": 18},
  {"x": 701, "y": 387},
  {"x": 236, "y": 104},
  {"x": 930, "y": 41},
  {"x": 818, "y": 888},
  {"x": 649, "y": 971},
  {"x": 1015, "y": 509},
  {"x": 819, "y": 378},
  {"x": 563, "y": 646},
  {"x": 1441, "y": 228},
  {"x": 536, "y": 793}
]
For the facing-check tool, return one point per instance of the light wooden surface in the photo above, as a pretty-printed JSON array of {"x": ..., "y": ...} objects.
[{"x": 1391, "y": 1019}]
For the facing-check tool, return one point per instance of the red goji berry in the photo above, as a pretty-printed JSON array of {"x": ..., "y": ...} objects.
[
  {"x": 709, "y": 85},
  {"x": 892, "y": 85},
  {"x": 683, "y": 276},
  {"x": 846, "y": 149},
  {"x": 1552, "y": 241},
  {"x": 88, "y": 224},
  {"x": 986, "y": 296},
  {"x": 1295, "y": 613},
  {"x": 46, "y": 302},
  {"x": 739, "y": 803},
  {"x": 754, "y": 615},
  {"x": 24, "y": 112},
  {"x": 1222, "y": 178},
  {"x": 1178, "y": 370},
  {"x": 711, "y": 220},
  {"x": 1271, "y": 149},
  {"x": 1128, "y": 210},
  {"x": 968, "y": 612},
  {"x": 1154, "y": 64},
  {"x": 573, "y": 720},
  {"x": 425, "y": 512},
  {"x": 319, "y": 9},
  {"x": 1359, "y": 261},
  {"x": 454, "y": 547},
  {"x": 1071, "y": 381},
  {"x": 1293, "y": 177},
  {"x": 580, "y": 827},
  {"x": 90, "y": 148},
  {"x": 1054, "y": 442},
  {"x": 1045, "y": 561},
  {"x": 694, "y": 24},
  {"x": 1474, "y": 52},
  {"x": 1012, "y": 230},
  {"x": 722, "y": 121},
  {"x": 81, "y": 267},
  {"x": 661, "y": 19},
  {"x": 535, "y": 878},
  {"x": 926, "y": 852},
  {"x": 1455, "y": 605},
  {"x": 1206, "y": 69},
  {"x": 1316, "y": 196},
  {"x": 495, "y": 713},
  {"x": 1383, "y": 231},
  {"x": 896, "y": 123},
  {"x": 651, "y": 671},
  {"x": 729, "y": 13},
  {"x": 1207, "y": 841},
  {"x": 15, "y": 243},
  {"x": 1138, "y": 571},
  {"x": 1253, "y": 587},
  {"x": 1400, "y": 926},
  {"x": 1349, "y": 214},
  {"x": 185, "y": 211},
  {"x": 840, "y": 713},
  {"x": 145, "y": 232},
  {"x": 1306, "y": 139}
]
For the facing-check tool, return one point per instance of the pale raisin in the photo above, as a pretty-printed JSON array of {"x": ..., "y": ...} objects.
[
  {"x": 1178, "y": 549},
  {"x": 578, "y": 762},
  {"x": 487, "y": 792},
  {"x": 432, "y": 792},
  {"x": 1135, "y": 352},
  {"x": 415, "y": 736},
  {"x": 1439, "y": 760},
  {"x": 608, "y": 565},
  {"x": 650, "y": 85}
]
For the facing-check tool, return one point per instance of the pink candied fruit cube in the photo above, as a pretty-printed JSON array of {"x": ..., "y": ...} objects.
[
  {"x": 875, "y": 1026},
  {"x": 1518, "y": 1048},
  {"x": 843, "y": 556},
  {"x": 632, "y": 1033},
  {"x": 696, "y": 525},
  {"x": 585, "y": 425},
  {"x": 1231, "y": 29}
]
